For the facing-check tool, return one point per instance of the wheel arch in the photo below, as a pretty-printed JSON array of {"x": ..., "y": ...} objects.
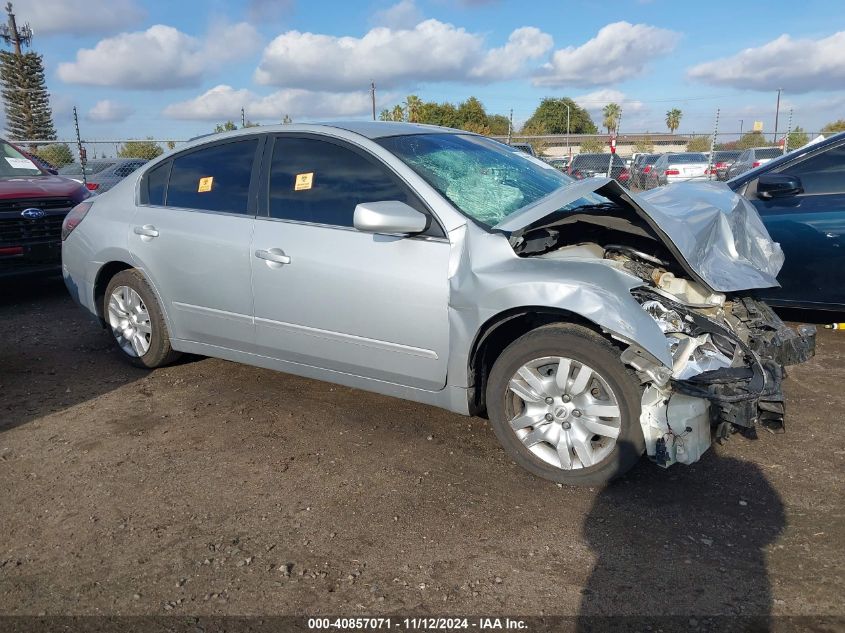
[
  {"x": 104, "y": 275},
  {"x": 501, "y": 330}
]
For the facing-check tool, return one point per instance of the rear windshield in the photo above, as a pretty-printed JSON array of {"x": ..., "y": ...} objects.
[
  {"x": 687, "y": 158},
  {"x": 726, "y": 155},
  {"x": 650, "y": 159},
  {"x": 13, "y": 163},
  {"x": 587, "y": 160},
  {"x": 91, "y": 167},
  {"x": 768, "y": 152}
]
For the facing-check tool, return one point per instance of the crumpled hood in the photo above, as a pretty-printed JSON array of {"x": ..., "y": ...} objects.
[{"x": 717, "y": 235}]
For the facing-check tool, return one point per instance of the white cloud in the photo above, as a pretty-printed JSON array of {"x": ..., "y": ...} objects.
[
  {"x": 797, "y": 65},
  {"x": 225, "y": 102},
  {"x": 158, "y": 58},
  {"x": 430, "y": 51},
  {"x": 619, "y": 51},
  {"x": 523, "y": 45},
  {"x": 78, "y": 17},
  {"x": 402, "y": 15},
  {"x": 633, "y": 111},
  {"x": 109, "y": 111}
]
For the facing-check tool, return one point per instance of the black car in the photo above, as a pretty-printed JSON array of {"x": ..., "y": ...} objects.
[
  {"x": 723, "y": 160},
  {"x": 801, "y": 198},
  {"x": 589, "y": 165},
  {"x": 641, "y": 167}
]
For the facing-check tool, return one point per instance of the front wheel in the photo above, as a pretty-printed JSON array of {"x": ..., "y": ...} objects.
[
  {"x": 136, "y": 321},
  {"x": 565, "y": 407}
]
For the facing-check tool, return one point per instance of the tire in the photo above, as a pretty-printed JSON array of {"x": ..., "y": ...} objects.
[
  {"x": 150, "y": 349},
  {"x": 610, "y": 388}
]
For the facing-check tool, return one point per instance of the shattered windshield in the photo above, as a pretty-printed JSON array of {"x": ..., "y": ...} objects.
[{"x": 484, "y": 179}]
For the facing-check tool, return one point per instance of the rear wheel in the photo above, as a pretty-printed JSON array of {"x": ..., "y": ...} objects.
[
  {"x": 565, "y": 407},
  {"x": 136, "y": 321}
]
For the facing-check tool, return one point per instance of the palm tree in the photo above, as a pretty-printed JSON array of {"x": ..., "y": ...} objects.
[
  {"x": 385, "y": 115},
  {"x": 612, "y": 112},
  {"x": 673, "y": 119},
  {"x": 398, "y": 113},
  {"x": 412, "y": 106}
]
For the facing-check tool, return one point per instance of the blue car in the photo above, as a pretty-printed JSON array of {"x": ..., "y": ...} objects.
[{"x": 801, "y": 198}]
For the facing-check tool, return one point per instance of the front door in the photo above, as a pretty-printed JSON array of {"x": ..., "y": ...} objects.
[
  {"x": 329, "y": 296},
  {"x": 192, "y": 241},
  {"x": 810, "y": 228}
]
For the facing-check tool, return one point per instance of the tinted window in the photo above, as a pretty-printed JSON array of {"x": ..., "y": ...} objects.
[
  {"x": 215, "y": 178},
  {"x": 321, "y": 182},
  {"x": 723, "y": 156},
  {"x": 768, "y": 152},
  {"x": 156, "y": 184},
  {"x": 687, "y": 158},
  {"x": 822, "y": 173}
]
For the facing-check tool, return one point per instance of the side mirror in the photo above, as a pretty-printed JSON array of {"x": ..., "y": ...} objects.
[
  {"x": 778, "y": 186},
  {"x": 390, "y": 216}
]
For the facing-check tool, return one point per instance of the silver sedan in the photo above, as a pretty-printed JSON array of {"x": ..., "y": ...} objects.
[{"x": 588, "y": 324}]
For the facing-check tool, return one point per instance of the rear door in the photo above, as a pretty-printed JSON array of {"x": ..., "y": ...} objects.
[
  {"x": 336, "y": 298},
  {"x": 811, "y": 230},
  {"x": 191, "y": 237}
]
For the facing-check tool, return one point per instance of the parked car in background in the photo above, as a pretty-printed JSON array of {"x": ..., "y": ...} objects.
[
  {"x": 33, "y": 205},
  {"x": 102, "y": 174},
  {"x": 524, "y": 147},
  {"x": 589, "y": 165},
  {"x": 801, "y": 198},
  {"x": 561, "y": 164},
  {"x": 43, "y": 164},
  {"x": 671, "y": 168},
  {"x": 440, "y": 266},
  {"x": 641, "y": 167},
  {"x": 722, "y": 161},
  {"x": 751, "y": 158}
]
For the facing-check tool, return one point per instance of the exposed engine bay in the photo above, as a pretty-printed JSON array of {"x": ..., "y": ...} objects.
[{"x": 729, "y": 350}]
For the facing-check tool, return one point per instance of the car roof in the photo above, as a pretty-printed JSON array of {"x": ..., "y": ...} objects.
[{"x": 368, "y": 129}]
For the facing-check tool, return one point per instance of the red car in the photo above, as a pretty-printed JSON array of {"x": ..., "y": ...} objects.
[{"x": 33, "y": 205}]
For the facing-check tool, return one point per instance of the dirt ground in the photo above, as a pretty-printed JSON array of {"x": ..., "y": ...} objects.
[{"x": 215, "y": 488}]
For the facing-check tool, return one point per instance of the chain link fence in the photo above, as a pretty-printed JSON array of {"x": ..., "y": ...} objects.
[{"x": 637, "y": 161}]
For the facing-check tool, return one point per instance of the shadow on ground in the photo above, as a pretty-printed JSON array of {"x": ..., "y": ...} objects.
[
  {"x": 52, "y": 356},
  {"x": 688, "y": 542}
]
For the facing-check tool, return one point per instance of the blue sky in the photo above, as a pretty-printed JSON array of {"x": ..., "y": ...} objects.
[{"x": 139, "y": 68}]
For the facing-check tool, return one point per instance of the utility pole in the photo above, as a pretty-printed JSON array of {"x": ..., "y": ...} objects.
[
  {"x": 373, "y": 97},
  {"x": 777, "y": 112},
  {"x": 741, "y": 121},
  {"x": 12, "y": 35},
  {"x": 243, "y": 118},
  {"x": 510, "y": 127},
  {"x": 82, "y": 153}
]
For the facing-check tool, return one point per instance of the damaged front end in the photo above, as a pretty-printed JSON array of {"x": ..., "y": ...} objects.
[
  {"x": 729, "y": 362},
  {"x": 700, "y": 251}
]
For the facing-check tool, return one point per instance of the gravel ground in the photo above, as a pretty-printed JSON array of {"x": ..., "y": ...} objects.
[{"x": 213, "y": 488}]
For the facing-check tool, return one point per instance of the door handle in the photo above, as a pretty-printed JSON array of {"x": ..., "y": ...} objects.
[
  {"x": 273, "y": 256},
  {"x": 147, "y": 232}
]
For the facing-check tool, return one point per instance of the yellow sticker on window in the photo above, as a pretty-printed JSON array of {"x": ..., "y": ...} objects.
[
  {"x": 205, "y": 184},
  {"x": 303, "y": 181}
]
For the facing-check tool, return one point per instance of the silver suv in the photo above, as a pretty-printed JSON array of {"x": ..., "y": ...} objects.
[{"x": 590, "y": 325}]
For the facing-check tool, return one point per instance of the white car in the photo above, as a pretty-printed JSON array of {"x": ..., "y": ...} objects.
[{"x": 671, "y": 168}]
